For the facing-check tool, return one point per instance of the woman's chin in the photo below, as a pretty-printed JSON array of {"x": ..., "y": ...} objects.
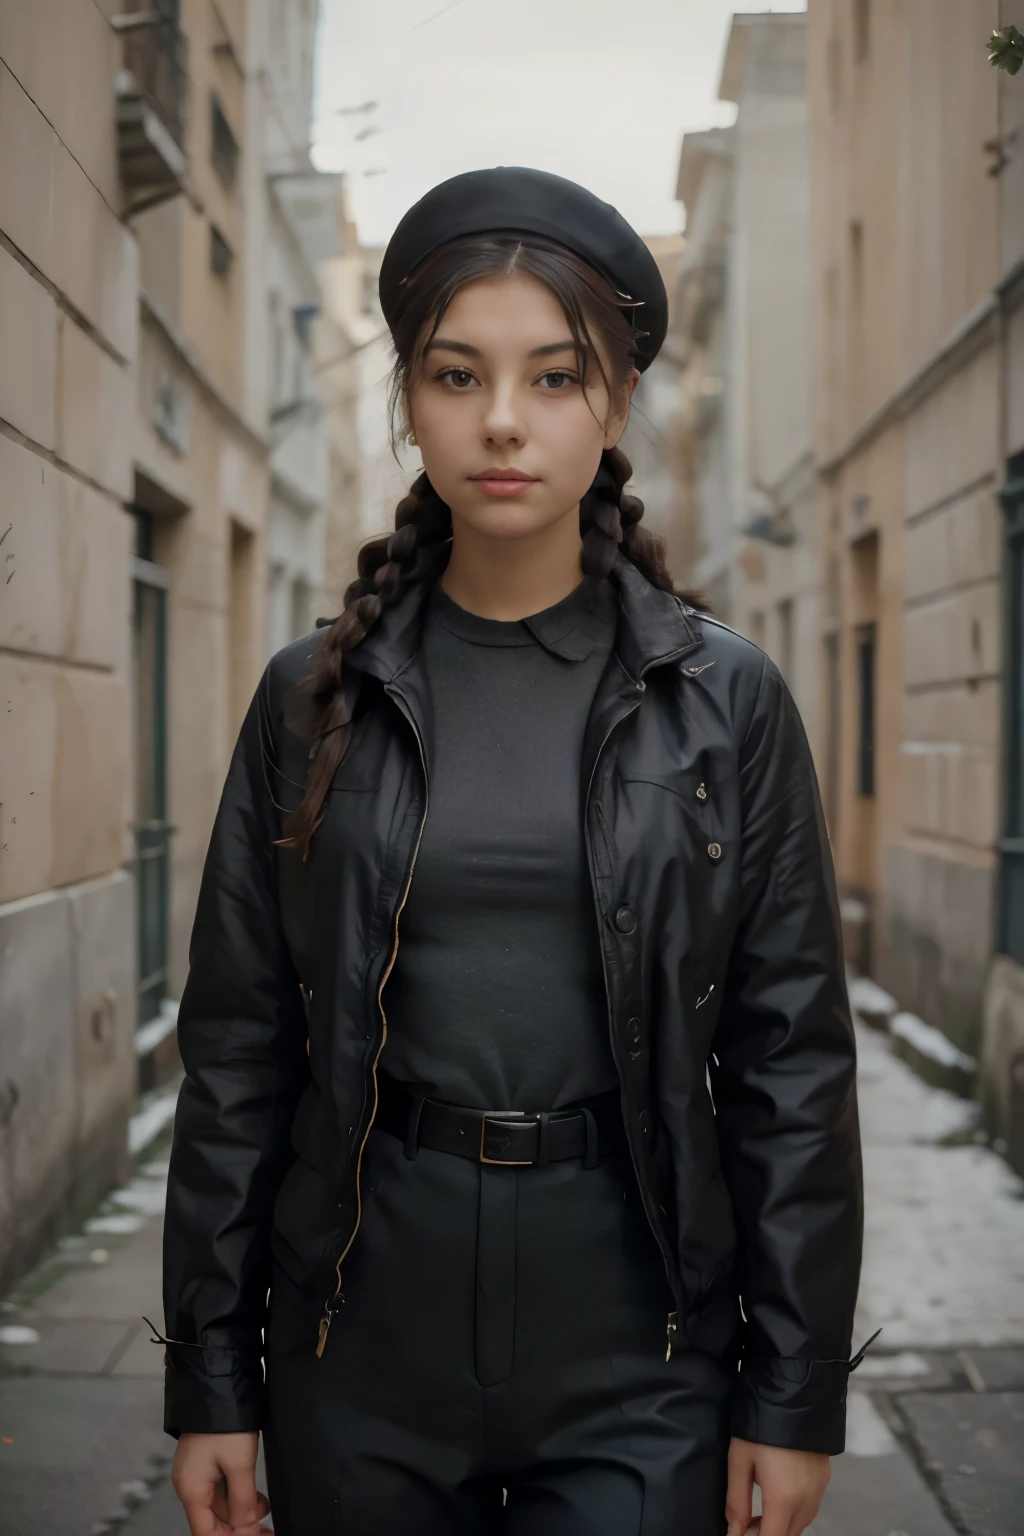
[{"x": 506, "y": 517}]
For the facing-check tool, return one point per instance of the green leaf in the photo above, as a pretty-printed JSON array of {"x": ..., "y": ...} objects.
[{"x": 1006, "y": 50}]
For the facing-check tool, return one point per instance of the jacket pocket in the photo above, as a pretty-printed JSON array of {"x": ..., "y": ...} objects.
[{"x": 304, "y": 1231}]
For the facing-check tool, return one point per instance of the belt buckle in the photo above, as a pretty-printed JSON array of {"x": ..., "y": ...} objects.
[{"x": 517, "y": 1117}]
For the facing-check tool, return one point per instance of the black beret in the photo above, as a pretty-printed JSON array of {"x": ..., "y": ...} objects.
[{"x": 512, "y": 199}]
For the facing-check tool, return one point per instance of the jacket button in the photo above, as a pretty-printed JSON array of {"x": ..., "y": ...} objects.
[
  {"x": 634, "y": 1030},
  {"x": 714, "y": 850},
  {"x": 625, "y": 919}
]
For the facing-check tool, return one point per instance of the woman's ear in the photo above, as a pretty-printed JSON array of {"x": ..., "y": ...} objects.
[{"x": 618, "y": 414}]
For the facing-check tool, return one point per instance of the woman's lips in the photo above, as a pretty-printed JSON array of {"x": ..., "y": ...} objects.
[{"x": 502, "y": 482}]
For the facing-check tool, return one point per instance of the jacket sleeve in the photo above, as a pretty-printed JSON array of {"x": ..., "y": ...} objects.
[
  {"x": 783, "y": 1078},
  {"x": 242, "y": 1037}
]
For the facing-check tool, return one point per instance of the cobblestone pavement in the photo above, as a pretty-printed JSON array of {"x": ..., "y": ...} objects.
[{"x": 936, "y": 1439}]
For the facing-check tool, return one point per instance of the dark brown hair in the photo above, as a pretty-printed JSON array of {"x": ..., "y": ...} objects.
[{"x": 417, "y": 550}]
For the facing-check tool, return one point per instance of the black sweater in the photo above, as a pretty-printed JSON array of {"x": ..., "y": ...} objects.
[{"x": 497, "y": 999}]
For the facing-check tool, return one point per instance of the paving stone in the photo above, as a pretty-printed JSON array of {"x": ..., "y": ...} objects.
[
  {"x": 907, "y": 1371},
  {"x": 974, "y": 1444},
  {"x": 76, "y": 1440},
  {"x": 879, "y": 1496},
  {"x": 998, "y": 1370},
  {"x": 76, "y": 1347},
  {"x": 161, "y": 1515},
  {"x": 142, "y": 1357},
  {"x": 123, "y": 1288}
]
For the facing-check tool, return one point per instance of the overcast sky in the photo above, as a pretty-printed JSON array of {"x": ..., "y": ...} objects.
[{"x": 600, "y": 91}]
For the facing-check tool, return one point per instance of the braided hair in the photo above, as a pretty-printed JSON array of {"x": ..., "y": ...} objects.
[{"x": 418, "y": 548}]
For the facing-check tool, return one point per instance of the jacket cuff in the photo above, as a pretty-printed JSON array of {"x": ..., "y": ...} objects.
[
  {"x": 211, "y": 1391},
  {"x": 797, "y": 1404}
]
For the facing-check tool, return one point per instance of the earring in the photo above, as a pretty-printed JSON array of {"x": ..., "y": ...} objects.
[{"x": 411, "y": 440}]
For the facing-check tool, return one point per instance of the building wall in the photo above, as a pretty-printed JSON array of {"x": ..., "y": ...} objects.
[
  {"x": 69, "y": 322},
  {"x": 650, "y": 441},
  {"x": 1003, "y": 1035},
  {"x": 368, "y": 478},
  {"x": 202, "y": 470},
  {"x": 296, "y": 426},
  {"x": 907, "y": 433},
  {"x": 698, "y": 344},
  {"x": 744, "y": 344}
]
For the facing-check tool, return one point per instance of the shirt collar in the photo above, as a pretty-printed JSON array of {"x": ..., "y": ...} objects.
[
  {"x": 651, "y": 625},
  {"x": 570, "y": 628}
]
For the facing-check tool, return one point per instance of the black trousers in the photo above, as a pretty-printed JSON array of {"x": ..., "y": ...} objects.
[{"x": 497, "y": 1366}]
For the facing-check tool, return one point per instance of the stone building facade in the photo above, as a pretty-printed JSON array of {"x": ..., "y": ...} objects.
[
  {"x": 742, "y": 334},
  {"x": 69, "y": 341},
  {"x": 201, "y": 480},
  {"x": 917, "y": 156},
  {"x": 303, "y": 229},
  {"x": 651, "y": 439},
  {"x": 165, "y": 494},
  {"x": 699, "y": 344}
]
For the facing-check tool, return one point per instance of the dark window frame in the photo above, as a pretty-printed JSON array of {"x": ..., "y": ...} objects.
[
  {"x": 861, "y": 30},
  {"x": 224, "y": 147},
  {"x": 867, "y": 705},
  {"x": 222, "y": 257},
  {"x": 1011, "y": 844}
]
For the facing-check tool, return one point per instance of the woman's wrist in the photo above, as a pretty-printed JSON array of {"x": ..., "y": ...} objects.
[{"x": 792, "y": 1484}]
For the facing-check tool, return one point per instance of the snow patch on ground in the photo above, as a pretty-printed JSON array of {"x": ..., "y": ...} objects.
[
  {"x": 145, "y": 1126},
  {"x": 866, "y": 996},
  {"x": 944, "y": 1225},
  {"x": 867, "y": 1433},
  {"x": 147, "y": 1196},
  {"x": 931, "y": 1042}
]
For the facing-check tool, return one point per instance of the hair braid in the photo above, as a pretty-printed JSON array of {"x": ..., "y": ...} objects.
[
  {"x": 609, "y": 521},
  {"x": 386, "y": 566}
]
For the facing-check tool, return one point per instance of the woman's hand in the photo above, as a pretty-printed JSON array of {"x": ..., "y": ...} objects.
[
  {"x": 791, "y": 1484},
  {"x": 214, "y": 1476}
]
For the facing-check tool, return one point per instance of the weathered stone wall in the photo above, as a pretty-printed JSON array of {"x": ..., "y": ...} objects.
[{"x": 68, "y": 319}]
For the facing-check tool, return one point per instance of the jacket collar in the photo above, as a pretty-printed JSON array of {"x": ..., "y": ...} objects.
[{"x": 654, "y": 626}]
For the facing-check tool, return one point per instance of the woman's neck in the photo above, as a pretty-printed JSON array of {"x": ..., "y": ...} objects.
[{"x": 510, "y": 579}]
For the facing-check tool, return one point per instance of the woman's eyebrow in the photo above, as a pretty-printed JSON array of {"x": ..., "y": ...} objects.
[{"x": 443, "y": 344}]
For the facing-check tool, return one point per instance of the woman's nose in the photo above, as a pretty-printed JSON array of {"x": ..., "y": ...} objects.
[{"x": 503, "y": 422}]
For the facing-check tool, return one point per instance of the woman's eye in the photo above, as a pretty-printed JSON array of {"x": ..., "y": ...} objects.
[
  {"x": 558, "y": 379},
  {"x": 461, "y": 378}
]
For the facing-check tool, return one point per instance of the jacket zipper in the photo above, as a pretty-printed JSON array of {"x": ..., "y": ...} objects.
[
  {"x": 325, "y": 1321},
  {"x": 672, "y": 1324}
]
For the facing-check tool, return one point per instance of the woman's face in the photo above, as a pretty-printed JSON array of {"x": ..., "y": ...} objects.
[{"x": 511, "y": 436}]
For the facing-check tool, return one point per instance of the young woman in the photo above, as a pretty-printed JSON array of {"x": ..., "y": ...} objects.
[{"x": 519, "y": 1067}]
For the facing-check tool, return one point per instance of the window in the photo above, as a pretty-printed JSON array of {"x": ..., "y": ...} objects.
[
  {"x": 866, "y": 710},
  {"x": 831, "y": 643},
  {"x": 835, "y": 73},
  {"x": 277, "y": 349},
  {"x": 151, "y": 826},
  {"x": 221, "y": 255},
  {"x": 861, "y": 29},
  {"x": 223, "y": 144},
  {"x": 784, "y": 657},
  {"x": 857, "y": 260},
  {"x": 855, "y": 318},
  {"x": 1011, "y": 847},
  {"x": 301, "y": 600}
]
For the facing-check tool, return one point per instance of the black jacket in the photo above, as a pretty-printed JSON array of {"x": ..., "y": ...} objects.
[{"x": 729, "y": 1020}]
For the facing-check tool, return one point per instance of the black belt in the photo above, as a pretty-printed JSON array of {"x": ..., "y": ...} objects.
[{"x": 591, "y": 1130}]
